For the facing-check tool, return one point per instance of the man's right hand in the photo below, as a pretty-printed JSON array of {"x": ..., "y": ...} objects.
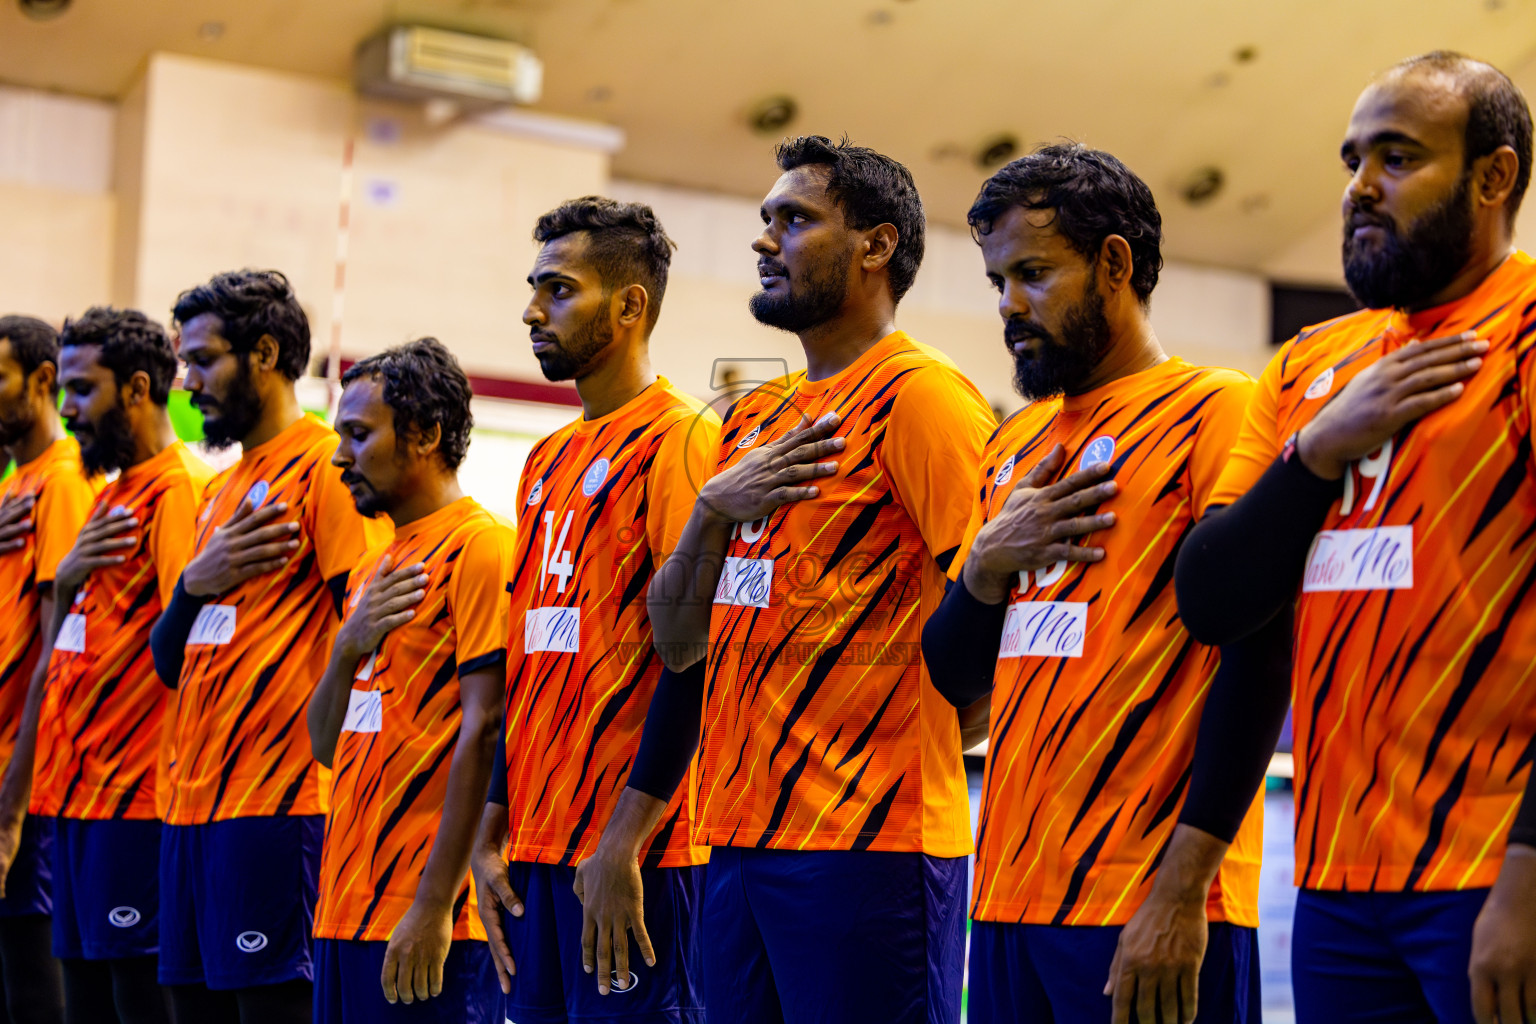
[
  {"x": 493, "y": 894},
  {"x": 1398, "y": 388},
  {"x": 97, "y": 547},
  {"x": 612, "y": 904},
  {"x": 15, "y": 522},
  {"x": 249, "y": 544},
  {"x": 774, "y": 474},
  {"x": 1036, "y": 525},
  {"x": 388, "y": 601}
]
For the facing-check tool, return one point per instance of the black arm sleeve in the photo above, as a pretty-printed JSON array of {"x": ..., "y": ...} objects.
[
  {"x": 498, "y": 793},
  {"x": 1244, "y": 562},
  {"x": 1244, "y": 713},
  {"x": 671, "y": 732},
  {"x": 168, "y": 640},
  {"x": 1524, "y": 829},
  {"x": 960, "y": 642}
]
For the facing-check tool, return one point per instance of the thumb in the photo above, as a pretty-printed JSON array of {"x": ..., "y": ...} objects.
[{"x": 1046, "y": 468}]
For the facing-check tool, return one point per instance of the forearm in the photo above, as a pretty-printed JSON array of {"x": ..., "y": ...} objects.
[
  {"x": 1523, "y": 831},
  {"x": 494, "y": 827},
  {"x": 168, "y": 639},
  {"x": 974, "y": 722},
  {"x": 327, "y": 710},
  {"x": 960, "y": 644},
  {"x": 1189, "y": 866},
  {"x": 671, "y": 733},
  {"x": 1243, "y": 563},
  {"x": 464, "y": 806},
  {"x": 16, "y": 787},
  {"x": 682, "y": 594},
  {"x": 634, "y": 817},
  {"x": 1239, "y": 727}
]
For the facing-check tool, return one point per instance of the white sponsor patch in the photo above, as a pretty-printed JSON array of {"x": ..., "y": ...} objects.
[
  {"x": 71, "y": 634},
  {"x": 215, "y": 624},
  {"x": 365, "y": 669},
  {"x": 745, "y": 581},
  {"x": 1044, "y": 629},
  {"x": 552, "y": 629},
  {"x": 365, "y": 711},
  {"x": 1320, "y": 386},
  {"x": 751, "y": 438},
  {"x": 1004, "y": 472},
  {"x": 1375, "y": 559}
]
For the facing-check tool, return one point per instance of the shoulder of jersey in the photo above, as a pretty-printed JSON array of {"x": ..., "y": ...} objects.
[
  {"x": 687, "y": 407},
  {"x": 1350, "y": 326},
  {"x": 1214, "y": 378}
]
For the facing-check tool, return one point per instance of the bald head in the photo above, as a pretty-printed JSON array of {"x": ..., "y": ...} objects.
[{"x": 1494, "y": 110}]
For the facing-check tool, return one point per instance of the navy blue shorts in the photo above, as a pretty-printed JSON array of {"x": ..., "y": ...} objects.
[
  {"x": 833, "y": 936},
  {"x": 1383, "y": 957},
  {"x": 237, "y": 901},
  {"x": 1056, "y": 973},
  {"x": 106, "y": 886},
  {"x": 29, "y": 886},
  {"x": 349, "y": 989},
  {"x": 550, "y": 986}
]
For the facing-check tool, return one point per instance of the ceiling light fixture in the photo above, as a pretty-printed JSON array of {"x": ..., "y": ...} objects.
[
  {"x": 997, "y": 150},
  {"x": 210, "y": 31},
  {"x": 773, "y": 114},
  {"x": 43, "y": 10},
  {"x": 1202, "y": 185}
]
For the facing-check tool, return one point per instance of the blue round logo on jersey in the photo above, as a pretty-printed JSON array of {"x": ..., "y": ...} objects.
[
  {"x": 596, "y": 474},
  {"x": 257, "y": 494},
  {"x": 1100, "y": 449}
]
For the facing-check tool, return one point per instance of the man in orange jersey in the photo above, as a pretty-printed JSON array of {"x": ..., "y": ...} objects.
[
  {"x": 94, "y": 733},
  {"x": 603, "y": 501},
  {"x": 410, "y": 707},
  {"x": 44, "y": 503},
  {"x": 1383, "y": 483},
  {"x": 1098, "y": 687},
  {"x": 244, "y": 638},
  {"x": 830, "y": 783}
]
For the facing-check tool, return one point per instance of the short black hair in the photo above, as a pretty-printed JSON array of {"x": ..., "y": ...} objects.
[
  {"x": 425, "y": 387},
  {"x": 1497, "y": 113},
  {"x": 249, "y": 305},
  {"x": 871, "y": 189},
  {"x": 1092, "y": 194},
  {"x": 625, "y": 242},
  {"x": 130, "y": 342},
  {"x": 33, "y": 343}
]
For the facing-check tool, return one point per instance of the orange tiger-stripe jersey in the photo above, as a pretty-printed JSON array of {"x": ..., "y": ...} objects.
[
  {"x": 604, "y": 502},
  {"x": 1099, "y": 687},
  {"x": 56, "y": 480},
  {"x": 100, "y": 748},
  {"x": 402, "y": 725},
  {"x": 240, "y": 747},
  {"x": 821, "y": 728},
  {"x": 1415, "y": 703}
]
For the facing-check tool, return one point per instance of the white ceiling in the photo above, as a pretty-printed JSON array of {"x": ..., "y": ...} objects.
[{"x": 1157, "y": 83}]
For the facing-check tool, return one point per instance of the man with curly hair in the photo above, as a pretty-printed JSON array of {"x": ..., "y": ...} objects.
[
  {"x": 244, "y": 637},
  {"x": 92, "y": 728},
  {"x": 408, "y": 711}
]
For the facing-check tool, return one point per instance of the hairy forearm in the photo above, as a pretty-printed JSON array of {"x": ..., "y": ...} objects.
[
  {"x": 634, "y": 817},
  {"x": 1189, "y": 866},
  {"x": 682, "y": 593},
  {"x": 469, "y": 776}
]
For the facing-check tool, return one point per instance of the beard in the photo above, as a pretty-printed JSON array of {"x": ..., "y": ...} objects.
[
  {"x": 808, "y": 301},
  {"x": 1060, "y": 364},
  {"x": 369, "y": 502},
  {"x": 1410, "y": 266},
  {"x": 16, "y": 424},
  {"x": 574, "y": 357},
  {"x": 237, "y": 413},
  {"x": 107, "y": 445}
]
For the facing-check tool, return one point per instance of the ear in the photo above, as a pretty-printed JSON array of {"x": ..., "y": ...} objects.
[
  {"x": 265, "y": 352},
  {"x": 880, "y": 242},
  {"x": 631, "y": 305},
  {"x": 1115, "y": 265},
  {"x": 1494, "y": 176},
  {"x": 137, "y": 388},
  {"x": 44, "y": 378},
  {"x": 426, "y": 441}
]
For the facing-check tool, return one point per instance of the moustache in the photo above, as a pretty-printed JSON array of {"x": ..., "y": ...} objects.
[
  {"x": 1359, "y": 218},
  {"x": 545, "y": 337},
  {"x": 771, "y": 268},
  {"x": 203, "y": 403},
  {"x": 349, "y": 478},
  {"x": 76, "y": 427},
  {"x": 1015, "y": 331}
]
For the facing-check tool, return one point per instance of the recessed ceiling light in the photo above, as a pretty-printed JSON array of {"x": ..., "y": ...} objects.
[
  {"x": 599, "y": 94},
  {"x": 1245, "y": 54},
  {"x": 772, "y": 114},
  {"x": 881, "y": 16},
  {"x": 210, "y": 31},
  {"x": 42, "y": 10},
  {"x": 1202, "y": 184},
  {"x": 997, "y": 150}
]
